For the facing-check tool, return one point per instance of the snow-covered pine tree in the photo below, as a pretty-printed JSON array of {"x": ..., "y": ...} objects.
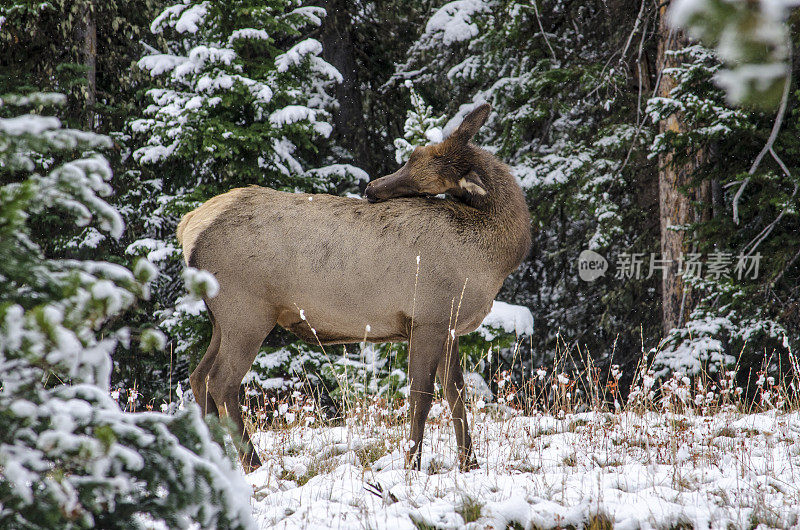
[
  {"x": 421, "y": 127},
  {"x": 69, "y": 457},
  {"x": 240, "y": 97}
]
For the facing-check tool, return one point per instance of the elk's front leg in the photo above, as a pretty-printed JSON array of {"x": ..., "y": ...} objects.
[{"x": 425, "y": 352}]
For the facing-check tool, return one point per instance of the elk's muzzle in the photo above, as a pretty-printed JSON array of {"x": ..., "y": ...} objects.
[{"x": 398, "y": 184}]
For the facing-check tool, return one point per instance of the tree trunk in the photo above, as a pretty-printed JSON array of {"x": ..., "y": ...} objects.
[
  {"x": 90, "y": 61},
  {"x": 338, "y": 50},
  {"x": 676, "y": 193}
]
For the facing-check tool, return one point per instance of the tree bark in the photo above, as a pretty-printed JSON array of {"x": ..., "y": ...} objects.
[{"x": 676, "y": 193}]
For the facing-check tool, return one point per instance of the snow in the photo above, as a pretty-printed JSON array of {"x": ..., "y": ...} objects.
[
  {"x": 698, "y": 345},
  {"x": 639, "y": 471},
  {"x": 166, "y": 17},
  {"x": 110, "y": 295},
  {"x": 507, "y": 317},
  {"x": 200, "y": 56},
  {"x": 91, "y": 238},
  {"x": 262, "y": 93},
  {"x": 184, "y": 66},
  {"x": 341, "y": 171},
  {"x": 200, "y": 283},
  {"x": 434, "y": 135},
  {"x": 453, "y": 21},
  {"x": 90, "y": 176},
  {"x": 248, "y": 33},
  {"x": 160, "y": 63},
  {"x": 738, "y": 81},
  {"x": 477, "y": 386},
  {"x": 292, "y": 114},
  {"x": 295, "y": 55},
  {"x": 28, "y": 124},
  {"x": 551, "y": 170},
  {"x": 184, "y": 307},
  {"x": 23, "y": 408},
  {"x": 283, "y": 150},
  {"x": 155, "y": 250},
  {"x": 191, "y": 18},
  {"x": 325, "y": 69},
  {"x": 153, "y": 153},
  {"x": 311, "y": 14},
  {"x": 34, "y": 98}
]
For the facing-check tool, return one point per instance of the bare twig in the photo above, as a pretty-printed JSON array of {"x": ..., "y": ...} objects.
[
  {"x": 770, "y": 141},
  {"x": 786, "y": 268},
  {"x": 753, "y": 245},
  {"x": 768, "y": 229},
  {"x": 149, "y": 49},
  {"x": 544, "y": 34},
  {"x": 638, "y": 110},
  {"x": 636, "y": 25}
]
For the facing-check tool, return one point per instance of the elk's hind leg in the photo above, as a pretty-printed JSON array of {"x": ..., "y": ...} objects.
[
  {"x": 199, "y": 377},
  {"x": 240, "y": 341},
  {"x": 452, "y": 380}
]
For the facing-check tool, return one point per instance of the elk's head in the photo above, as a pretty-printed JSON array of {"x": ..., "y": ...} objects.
[{"x": 446, "y": 167}]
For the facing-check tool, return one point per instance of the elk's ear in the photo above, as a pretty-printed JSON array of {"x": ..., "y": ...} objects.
[
  {"x": 472, "y": 123},
  {"x": 472, "y": 183}
]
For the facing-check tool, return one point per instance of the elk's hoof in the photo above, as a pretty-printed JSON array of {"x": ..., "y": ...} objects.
[{"x": 251, "y": 462}]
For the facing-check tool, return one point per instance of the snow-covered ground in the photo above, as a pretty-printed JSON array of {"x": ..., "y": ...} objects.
[{"x": 659, "y": 471}]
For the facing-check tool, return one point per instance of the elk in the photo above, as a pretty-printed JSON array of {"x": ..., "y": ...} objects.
[{"x": 403, "y": 265}]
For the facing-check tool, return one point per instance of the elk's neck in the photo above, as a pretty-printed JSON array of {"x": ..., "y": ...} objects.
[{"x": 504, "y": 214}]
